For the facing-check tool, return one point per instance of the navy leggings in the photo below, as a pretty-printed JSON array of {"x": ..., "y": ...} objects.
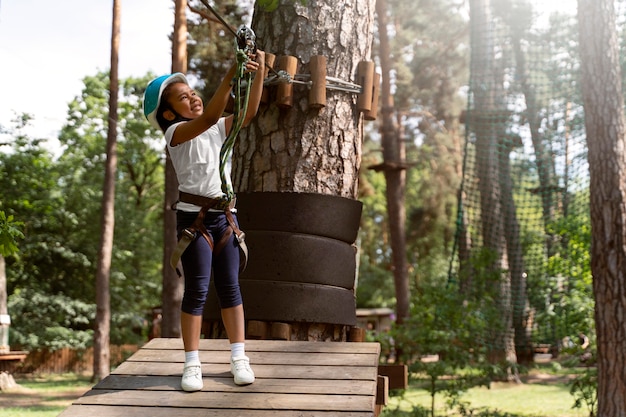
[{"x": 198, "y": 260}]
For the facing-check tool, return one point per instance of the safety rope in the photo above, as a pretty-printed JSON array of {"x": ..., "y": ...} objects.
[
  {"x": 239, "y": 115},
  {"x": 244, "y": 46}
]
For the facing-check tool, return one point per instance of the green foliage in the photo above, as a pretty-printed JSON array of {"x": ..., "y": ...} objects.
[
  {"x": 268, "y": 5},
  {"x": 9, "y": 233},
  {"x": 210, "y": 48},
  {"x": 272, "y": 5},
  {"x": 50, "y": 321},
  {"x": 58, "y": 201},
  {"x": 446, "y": 324},
  {"x": 585, "y": 391}
]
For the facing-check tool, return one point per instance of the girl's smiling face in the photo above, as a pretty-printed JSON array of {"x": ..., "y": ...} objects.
[{"x": 184, "y": 101}]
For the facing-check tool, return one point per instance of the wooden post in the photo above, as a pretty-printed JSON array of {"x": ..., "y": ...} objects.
[
  {"x": 317, "y": 94},
  {"x": 257, "y": 329},
  {"x": 280, "y": 331},
  {"x": 357, "y": 334},
  {"x": 371, "y": 113},
  {"x": 284, "y": 94},
  {"x": 365, "y": 76},
  {"x": 269, "y": 63}
]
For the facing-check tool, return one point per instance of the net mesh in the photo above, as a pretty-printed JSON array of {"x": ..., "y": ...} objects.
[{"x": 524, "y": 207}]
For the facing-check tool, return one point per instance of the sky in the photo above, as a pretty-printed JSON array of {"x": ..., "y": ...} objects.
[{"x": 48, "y": 47}]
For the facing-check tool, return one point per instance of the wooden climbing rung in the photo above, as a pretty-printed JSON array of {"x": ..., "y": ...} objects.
[{"x": 325, "y": 379}]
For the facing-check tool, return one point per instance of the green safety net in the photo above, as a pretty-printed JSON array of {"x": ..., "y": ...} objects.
[{"x": 523, "y": 227}]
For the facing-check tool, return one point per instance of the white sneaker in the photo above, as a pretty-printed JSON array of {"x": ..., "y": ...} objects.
[
  {"x": 240, "y": 368},
  {"x": 192, "y": 377}
]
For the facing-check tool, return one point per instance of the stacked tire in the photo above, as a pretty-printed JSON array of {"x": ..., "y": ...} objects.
[{"x": 302, "y": 261}]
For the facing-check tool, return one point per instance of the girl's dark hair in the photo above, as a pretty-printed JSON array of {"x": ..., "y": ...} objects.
[{"x": 164, "y": 105}]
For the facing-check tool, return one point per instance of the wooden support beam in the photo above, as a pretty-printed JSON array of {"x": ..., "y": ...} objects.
[
  {"x": 317, "y": 94},
  {"x": 398, "y": 375},
  {"x": 373, "y": 111},
  {"x": 365, "y": 76},
  {"x": 269, "y": 63},
  {"x": 280, "y": 331},
  {"x": 382, "y": 390},
  {"x": 284, "y": 94},
  {"x": 257, "y": 329}
]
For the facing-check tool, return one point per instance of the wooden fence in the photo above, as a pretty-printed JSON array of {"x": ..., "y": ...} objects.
[{"x": 68, "y": 360}]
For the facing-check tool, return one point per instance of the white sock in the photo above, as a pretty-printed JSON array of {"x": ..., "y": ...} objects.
[
  {"x": 192, "y": 356},
  {"x": 237, "y": 349}
]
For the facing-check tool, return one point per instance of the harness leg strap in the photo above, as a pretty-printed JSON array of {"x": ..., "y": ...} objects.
[
  {"x": 239, "y": 235},
  {"x": 188, "y": 235}
]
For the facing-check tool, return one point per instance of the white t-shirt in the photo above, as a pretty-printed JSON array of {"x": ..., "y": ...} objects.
[{"x": 197, "y": 163}]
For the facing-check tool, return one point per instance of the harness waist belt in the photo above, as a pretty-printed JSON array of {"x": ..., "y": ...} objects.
[
  {"x": 213, "y": 203},
  {"x": 191, "y": 233}
]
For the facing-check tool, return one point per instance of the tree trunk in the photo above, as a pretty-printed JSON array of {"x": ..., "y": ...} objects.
[
  {"x": 306, "y": 148},
  {"x": 4, "y": 310},
  {"x": 395, "y": 171},
  {"x": 605, "y": 131},
  {"x": 102, "y": 355},
  {"x": 515, "y": 255},
  {"x": 487, "y": 115},
  {"x": 173, "y": 285}
]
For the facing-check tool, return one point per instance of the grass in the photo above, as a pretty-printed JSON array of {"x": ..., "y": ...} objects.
[
  {"x": 42, "y": 396},
  {"x": 541, "y": 395},
  {"x": 545, "y": 393}
]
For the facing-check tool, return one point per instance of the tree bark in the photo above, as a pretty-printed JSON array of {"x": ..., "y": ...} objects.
[
  {"x": 605, "y": 131},
  {"x": 173, "y": 285},
  {"x": 304, "y": 148},
  {"x": 102, "y": 355}
]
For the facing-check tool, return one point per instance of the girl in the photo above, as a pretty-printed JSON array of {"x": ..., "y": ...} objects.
[{"x": 194, "y": 134}]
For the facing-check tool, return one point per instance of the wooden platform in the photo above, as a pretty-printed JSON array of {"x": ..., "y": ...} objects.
[{"x": 293, "y": 379}]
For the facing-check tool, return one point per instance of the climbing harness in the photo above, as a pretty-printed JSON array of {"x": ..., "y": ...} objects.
[
  {"x": 197, "y": 228},
  {"x": 245, "y": 45}
]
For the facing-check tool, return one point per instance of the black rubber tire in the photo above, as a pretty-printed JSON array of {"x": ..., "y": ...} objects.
[
  {"x": 291, "y": 302},
  {"x": 295, "y": 257},
  {"x": 308, "y": 213}
]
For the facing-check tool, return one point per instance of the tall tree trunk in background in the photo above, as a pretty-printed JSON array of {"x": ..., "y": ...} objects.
[
  {"x": 545, "y": 170},
  {"x": 172, "y": 284},
  {"x": 515, "y": 254},
  {"x": 394, "y": 169},
  {"x": 4, "y": 310},
  {"x": 605, "y": 131},
  {"x": 102, "y": 355},
  {"x": 486, "y": 116}
]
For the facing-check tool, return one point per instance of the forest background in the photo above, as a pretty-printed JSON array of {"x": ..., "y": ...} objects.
[{"x": 50, "y": 281}]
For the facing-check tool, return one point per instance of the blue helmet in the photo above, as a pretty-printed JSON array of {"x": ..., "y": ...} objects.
[{"x": 152, "y": 96}]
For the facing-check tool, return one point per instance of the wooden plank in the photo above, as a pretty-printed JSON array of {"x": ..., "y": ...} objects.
[
  {"x": 271, "y": 346},
  {"x": 289, "y": 386},
  {"x": 230, "y": 400},
  {"x": 136, "y": 411},
  {"x": 294, "y": 379},
  {"x": 262, "y": 358},
  {"x": 261, "y": 371}
]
